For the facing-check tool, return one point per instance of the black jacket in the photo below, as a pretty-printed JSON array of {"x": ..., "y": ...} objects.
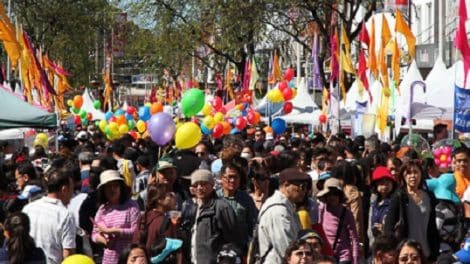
[
  {"x": 399, "y": 202},
  {"x": 216, "y": 226}
]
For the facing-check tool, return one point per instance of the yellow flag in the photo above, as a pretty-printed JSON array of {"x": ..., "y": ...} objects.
[
  {"x": 228, "y": 82},
  {"x": 372, "y": 63},
  {"x": 254, "y": 76},
  {"x": 345, "y": 56},
  {"x": 402, "y": 27}
]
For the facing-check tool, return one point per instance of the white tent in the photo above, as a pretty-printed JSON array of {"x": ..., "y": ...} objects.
[
  {"x": 440, "y": 85},
  {"x": 88, "y": 106},
  {"x": 13, "y": 133}
]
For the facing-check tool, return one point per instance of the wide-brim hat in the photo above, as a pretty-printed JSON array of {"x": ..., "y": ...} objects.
[
  {"x": 444, "y": 187},
  {"x": 331, "y": 184},
  {"x": 109, "y": 176}
]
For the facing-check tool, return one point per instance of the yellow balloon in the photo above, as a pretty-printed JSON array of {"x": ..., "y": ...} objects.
[
  {"x": 141, "y": 126},
  {"x": 70, "y": 102},
  {"x": 178, "y": 125},
  {"x": 187, "y": 136},
  {"x": 39, "y": 143},
  {"x": 276, "y": 96},
  {"x": 123, "y": 129},
  {"x": 114, "y": 128},
  {"x": 208, "y": 122},
  {"x": 148, "y": 104},
  {"x": 207, "y": 109},
  {"x": 102, "y": 124},
  {"x": 218, "y": 117},
  {"x": 78, "y": 259},
  {"x": 42, "y": 137}
]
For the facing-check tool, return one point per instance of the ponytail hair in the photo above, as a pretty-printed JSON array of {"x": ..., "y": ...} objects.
[
  {"x": 154, "y": 194},
  {"x": 20, "y": 244}
]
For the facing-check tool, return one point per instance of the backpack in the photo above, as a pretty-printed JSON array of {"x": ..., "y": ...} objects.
[
  {"x": 451, "y": 217},
  {"x": 254, "y": 255}
]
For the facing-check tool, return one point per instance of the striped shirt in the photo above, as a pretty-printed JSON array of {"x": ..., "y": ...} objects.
[{"x": 123, "y": 216}]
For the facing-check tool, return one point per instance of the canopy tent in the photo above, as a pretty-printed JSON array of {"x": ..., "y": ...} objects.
[
  {"x": 13, "y": 133},
  {"x": 440, "y": 85},
  {"x": 17, "y": 113},
  {"x": 89, "y": 107}
]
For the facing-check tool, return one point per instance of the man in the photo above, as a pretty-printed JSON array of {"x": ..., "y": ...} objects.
[
  {"x": 84, "y": 161},
  {"x": 142, "y": 165},
  {"x": 240, "y": 201},
  {"x": 314, "y": 240},
  {"x": 384, "y": 250},
  {"x": 461, "y": 165},
  {"x": 278, "y": 220},
  {"x": 214, "y": 223},
  {"x": 126, "y": 167},
  {"x": 203, "y": 154},
  {"x": 52, "y": 225},
  {"x": 439, "y": 132},
  {"x": 317, "y": 155}
]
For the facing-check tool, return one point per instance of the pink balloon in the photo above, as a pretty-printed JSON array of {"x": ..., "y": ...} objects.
[
  {"x": 240, "y": 123},
  {"x": 447, "y": 150},
  {"x": 283, "y": 85},
  {"x": 449, "y": 159},
  {"x": 437, "y": 152},
  {"x": 443, "y": 166},
  {"x": 217, "y": 103},
  {"x": 289, "y": 74},
  {"x": 437, "y": 161}
]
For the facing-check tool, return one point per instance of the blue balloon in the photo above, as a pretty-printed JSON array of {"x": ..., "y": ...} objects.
[
  {"x": 292, "y": 84},
  {"x": 118, "y": 112},
  {"x": 108, "y": 115},
  {"x": 144, "y": 113},
  {"x": 205, "y": 130},
  {"x": 234, "y": 131},
  {"x": 129, "y": 117},
  {"x": 279, "y": 126}
]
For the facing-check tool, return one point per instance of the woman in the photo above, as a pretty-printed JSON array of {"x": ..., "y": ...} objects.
[
  {"x": 117, "y": 218},
  {"x": 19, "y": 245},
  {"x": 411, "y": 212},
  {"x": 259, "y": 184},
  {"x": 299, "y": 251},
  {"x": 154, "y": 224},
  {"x": 134, "y": 254},
  {"x": 410, "y": 251}
]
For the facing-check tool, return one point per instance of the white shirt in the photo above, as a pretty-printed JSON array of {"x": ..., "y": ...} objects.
[
  {"x": 75, "y": 204},
  {"x": 52, "y": 227},
  {"x": 466, "y": 196}
]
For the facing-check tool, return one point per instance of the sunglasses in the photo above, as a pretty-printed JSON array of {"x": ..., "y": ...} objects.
[
  {"x": 303, "y": 254},
  {"x": 405, "y": 258}
]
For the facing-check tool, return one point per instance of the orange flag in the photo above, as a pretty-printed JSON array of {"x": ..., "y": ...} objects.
[
  {"x": 372, "y": 63},
  {"x": 402, "y": 27},
  {"x": 8, "y": 36},
  {"x": 276, "y": 74},
  {"x": 396, "y": 63}
]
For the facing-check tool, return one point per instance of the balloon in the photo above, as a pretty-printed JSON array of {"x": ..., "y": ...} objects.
[
  {"x": 206, "y": 110},
  {"x": 82, "y": 113},
  {"x": 322, "y": 118},
  {"x": 134, "y": 134},
  {"x": 227, "y": 127},
  {"x": 84, "y": 121},
  {"x": 268, "y": 129},
  {"x": 208, "y": 122},
  {"x": 443, "y": 158},
  {"x": 119, "y": 112},
  {"x": 37, "y": 142},
  {"x": 447, "y": 150},
  {"x": 205, "y": 130},
  {"x": 218, "y": 117},
  {"x": 250, "y": 117},
  {"x": 287, "y": 94},
  {"x": 289, "y": 74},
  {"x": 78, "y": 101},
  {"x": 75, "y": 110},
  {"x": 161, "y": 128},
  {"x": 218, "y": 130},
  {"x": 283, "y": 85},
  {"x": 131, "y": 110},
  {"x": 187, "y": 136},
  {"x": 240, "y": 123},
  {"x": 70, "y": 102},
  {"x": 437, "y": 161},
  {"x": 123, "y": 129},
  {"x": 141, "y": 126},
  {"x": 114, "y": 128},
  {"x": 217, "y": 103},
  {"x": 279, "y": 126},
  {"x": 42, "y": 137},
  {"x": 77, "y": 120},
  {"x": 144, "y": 113},
  {"x": 275, "y": 96},
  {"x": 131, "y": 124},
  {"x": 108, "y": 115},
  {"x": 234, "y": 131},
  {"x": 78, "y": 259},
  {"x": 287, "y": 107},
  {"x": 257, "y": 118},
  {"x": 89, "y": 116},
  {"x": 102, "y": 125},
  {"x": 294, "y": 93},
  {"x": 291, "y": 84},
  {"x": 121, "y": 120},
  {"x": 107, "y": 131},
  {"x": 192, "y": 102},
  {"x": 156, "y": 108},
  {"x": 97, "y": 104},
  {"x": 129, "y": 117}
]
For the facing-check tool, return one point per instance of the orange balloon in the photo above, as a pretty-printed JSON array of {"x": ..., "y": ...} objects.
[
  {"x": 121, "y": 120},
  {"x": 257, "y": 118},
  {"x": 78, "y": 101},
  {"x": 227, "y": 127},
  {"x": 156, "y": 108},
  {"x": 268, "y": 129}
]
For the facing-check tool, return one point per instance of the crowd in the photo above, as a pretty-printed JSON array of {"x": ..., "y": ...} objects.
[{"x": 249, "y": 197}]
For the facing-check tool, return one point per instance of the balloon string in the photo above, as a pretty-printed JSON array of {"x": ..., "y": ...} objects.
[{"x": 159, "y": 153}]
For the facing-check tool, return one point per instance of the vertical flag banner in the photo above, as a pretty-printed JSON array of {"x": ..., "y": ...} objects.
[
  {"x": 462, "y": 110},
  {"x": 461, "y": 41},
  {"x": 372, "y": 56},
  {"x": 317, "y": 81},
  {"x": 402, "y": 27}
]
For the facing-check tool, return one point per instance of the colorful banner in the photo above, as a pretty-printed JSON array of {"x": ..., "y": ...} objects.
[{"x": 462, "y": 110}]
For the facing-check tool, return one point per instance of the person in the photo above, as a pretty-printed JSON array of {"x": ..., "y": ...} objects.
[
  {"x": 213, "y": 221},
  {"x": 19, "y": 245},
  {"x": 298, "y": 251},
  {"x": 411, "y": 212},
  {"x": 259, "y": 184},
  {"x": 314, "y": 240},
  {"x": 134, "y": 254},
  {"x": 461, "y": 165},
  {"x": 125, "y": 166},
  {"x": 383, "y": 185},
  {"x": 393, "y": 165},
  {"x": 117, "y": 218},
  {"x": 52, "y": 225},
  {"x": 463, "y": 254},
  {"x": 338, "y": 222},
  {"x": 384, "y": 250},
  {"x": 410, "y": 251},
  {"x": 439, "y": 132},
  {"x": 142, "y": 165},
  {"x": 278, "y": 220},
  {"x": 324, "y": 260},
  {"x": 240, "y": 201},
  {"x": 154, "y": 223},
  {"x": 229, "y": 254},
  {"x": 85, "y": 159}
]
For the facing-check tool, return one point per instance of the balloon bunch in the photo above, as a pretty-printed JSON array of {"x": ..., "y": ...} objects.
[
  {"x": 442, "y": 152},
  {"x": 80, "y": 116},
  {"x": 42, "y": 140},
  {"x": 219, "y": 121},
  {"x": 284, "y": 92}
]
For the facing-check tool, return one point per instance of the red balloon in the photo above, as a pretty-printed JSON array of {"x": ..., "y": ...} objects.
[
  {"x": 240, "y": 123},
  {"x": 287, "y": 94},
  {"x": 195, "y": 120},
  {"x": 133, "y": 134},
  {"x": 251, "y": 117},
  {"x": 322, "y": 118},
  {"x": 287, "y": 107},
  {"x": 218, "y": 130},
  {"x": 217, "y": 103},
  {"x": 89, "y": 116},
  {"x": 77, "y": 120},
  {"x": 112, "y": 119},
  {"x": 283, "y": 85},
  {"x": 289, "y": 74},
  {"x": 131, "y": 110}
]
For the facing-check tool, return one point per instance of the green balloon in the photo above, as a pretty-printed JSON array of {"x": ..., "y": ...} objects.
[
  {"x": 97, "y": 104},
  {"x": 97, "y": 123},
  {"x": 108, "y": 131},
  {"x": 192, "y": 102},
  {"x": 82, "y": 114},
  {"x": 75, "y": 110},
  {"x": 131, "y": 124},
  {"x": 84, "y": 121}
]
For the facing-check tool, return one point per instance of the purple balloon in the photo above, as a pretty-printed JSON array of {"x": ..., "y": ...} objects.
[{"x": 161, "y": 128}]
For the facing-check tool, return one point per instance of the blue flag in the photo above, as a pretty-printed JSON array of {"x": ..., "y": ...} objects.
[{"x": 462, "y": 110}]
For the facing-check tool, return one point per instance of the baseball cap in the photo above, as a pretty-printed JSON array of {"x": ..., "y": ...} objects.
[{"x": 293, "y": 174}]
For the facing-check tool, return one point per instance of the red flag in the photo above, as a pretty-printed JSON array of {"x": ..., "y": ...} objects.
[
  {"x": 461, "y": 41},
  {"x": 364, "y": 35},
  {"x": 361, "y": 71},
  {"x": 334, "y": 51}
]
